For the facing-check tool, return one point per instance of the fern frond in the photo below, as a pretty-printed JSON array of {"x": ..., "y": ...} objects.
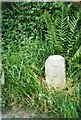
[
  {"x": 77, "y": 54},
  {"x": 51, "y": 27},
  {"x": 73, "y": 33},
  {"x": 73, "y": 22},
  {"x": 52, "y": 33}
]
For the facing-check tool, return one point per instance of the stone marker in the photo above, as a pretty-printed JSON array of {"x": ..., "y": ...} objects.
[{"x": 55, "y": 71}]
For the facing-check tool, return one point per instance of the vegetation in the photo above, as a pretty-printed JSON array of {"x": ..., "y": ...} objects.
[{"x": 30, "y": 33}]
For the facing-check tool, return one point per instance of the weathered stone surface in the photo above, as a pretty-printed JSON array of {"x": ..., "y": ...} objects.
[{"x": 55, "y": 71}]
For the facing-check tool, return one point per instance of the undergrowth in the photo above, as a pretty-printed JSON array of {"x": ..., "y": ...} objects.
[{"x": 30, "y": 33}]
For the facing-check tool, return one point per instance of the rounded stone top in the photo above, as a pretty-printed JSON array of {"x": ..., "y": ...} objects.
[{"x": 55, "y": 57}]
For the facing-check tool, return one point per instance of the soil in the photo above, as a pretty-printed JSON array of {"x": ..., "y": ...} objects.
[{"x": 18, "y": 113}]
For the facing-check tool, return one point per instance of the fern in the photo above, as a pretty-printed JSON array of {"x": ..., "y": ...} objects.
[
  {"x": 64, "y": 35},
  {"x": 77, "y": 54},
  {"x": 73, "y": 33},
  {"x": 51, "y": 27},
  {"x": 52, "y": 33}
]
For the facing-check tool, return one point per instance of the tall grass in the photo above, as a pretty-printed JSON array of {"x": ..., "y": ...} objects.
[{"x": 25, "y": 49}]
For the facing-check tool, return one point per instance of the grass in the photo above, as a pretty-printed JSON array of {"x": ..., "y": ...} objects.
[{"x": 24, "y": 54}]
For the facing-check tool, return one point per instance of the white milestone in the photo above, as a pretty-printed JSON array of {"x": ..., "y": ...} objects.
[{"x": 55, "y": 71}]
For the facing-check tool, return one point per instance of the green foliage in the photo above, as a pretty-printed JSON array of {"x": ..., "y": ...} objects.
[{"x": 30, "y": 33}]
